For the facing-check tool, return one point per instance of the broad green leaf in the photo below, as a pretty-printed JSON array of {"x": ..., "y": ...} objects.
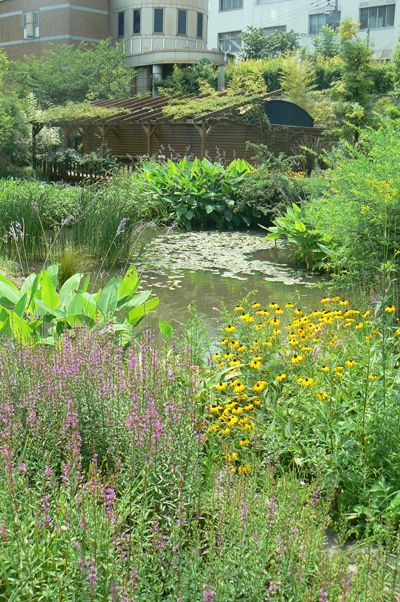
[
  {"x": 48, "y": 292},
  {"x": 129, "y": 284},
  {"x": 108, "y": 299},
  {"x": 70, "y": 286},
  {"x": 9, "y": 293},
  {"x": 138, "y": 313},
  {"x": 166, "y": 329}
]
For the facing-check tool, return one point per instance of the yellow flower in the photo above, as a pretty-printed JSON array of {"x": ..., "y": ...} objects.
[
  {"x": 256, "y": 306},
  {"x": 350, "y": 363},
  {"x": 366, "y": 314},
  {"x": 262, "y": 313},
  {"x": 244, "y": 442},
  {"x": 214, "y": 409},
  {"x": 398, "y": 332},
  {"x": 221, "y": 386},
  {"x": 235, "y": 345},
  {"x": 360, "y": 326},
  {"x": 273, "y": 306},
  {"x": 225, "y": 342},
  {"x": 289, "y": 305},
  {"x": 322, "y": 395},
  {"x": 225, "y": 431},
  {"x": 229, "y": 356},
  {"x": 372, "y": 377},
  {"x": 255, "y": 364},
  {"x": 305, "y": 381},
  {"x": 230, "y": 328},
  {"x": 278, "y": 312},
  {"x": 245, "y": 469},
  {"x": 274, "y": 322},
  {"x": 246, "y": 318},
  {"x": 257, "y": 403},
  {"x": 326, "y": 300},
  {"x": 234, "y": 363},
  {"x": 239, "y": 388},
  {"x": 276, "y": 332},
  {"x": 216, "y": 356},
  {"x": 281, "y": 377},
  {"x": 390, "y": 309},
  {"x": 232, "y": 456},
  {"x": 248, "y": 407},
  {"x": 259, "y": 327},
  {"x": 238, "y": 308},
  {"x": 260, "y": 386},
  {"x": 296, "y": 359}
]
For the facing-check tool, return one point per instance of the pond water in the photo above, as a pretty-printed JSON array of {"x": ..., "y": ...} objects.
[{"x": 217, "y": 269}]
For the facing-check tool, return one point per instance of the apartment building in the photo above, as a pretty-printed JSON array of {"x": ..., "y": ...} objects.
[
  {"x": 157, "y": 34},
  {"x": 380, "y": 20},
  {"x": 29, "y": 26}
]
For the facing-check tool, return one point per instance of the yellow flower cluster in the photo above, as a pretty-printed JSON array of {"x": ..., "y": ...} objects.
[{"x": 275, "y": 353}]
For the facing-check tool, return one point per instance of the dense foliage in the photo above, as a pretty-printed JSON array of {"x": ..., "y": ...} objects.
[
  {"x": 112, "y": 488},
  {"x": 44, "y": 307},
  {"x": 68, "y": 73},
  {"x": 355, "y": 208},
  {"x": 259, "y": 45}
]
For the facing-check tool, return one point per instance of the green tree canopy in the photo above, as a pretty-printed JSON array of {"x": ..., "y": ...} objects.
[
  {"x": 326, "y": 43},
  {"x": 67, "y": 73},
  {"x": 259, "y": 45}
]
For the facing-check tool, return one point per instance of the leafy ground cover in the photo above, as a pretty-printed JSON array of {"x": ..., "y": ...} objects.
[{"x": 156, "y": 474}]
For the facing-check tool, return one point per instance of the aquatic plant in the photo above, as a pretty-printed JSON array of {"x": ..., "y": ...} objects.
[{"x": 41, "y": 310}]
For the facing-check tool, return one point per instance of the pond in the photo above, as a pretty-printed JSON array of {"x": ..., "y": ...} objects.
[{"x": 216, "y": 269}]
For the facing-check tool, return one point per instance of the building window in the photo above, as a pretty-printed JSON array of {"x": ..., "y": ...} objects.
[
  {"x": 136, "y": 20},
  {"x": 269, "y": 30},
  {"x": 318, "y": 21},
  {"x": 121, "y": 24},
  {"x": 158, "y": 20},
  {"x": 230, "y": 41},
  {"x": 182, "y": 18},
  {"x": 31, "y": 24},
  {"x": 374, "y": 17},
  {"x": 230, "y": 4},
  {"x": 200, "y": 24}
]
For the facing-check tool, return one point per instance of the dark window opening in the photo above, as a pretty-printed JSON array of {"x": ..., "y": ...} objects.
[
  {"x": 200, "y": 23},
  {"x": 136, "y": 20},
  {"x": 158, "y": 20},
  {"x": 121, "y": 24},
  {"x": 182, "y": 14}
]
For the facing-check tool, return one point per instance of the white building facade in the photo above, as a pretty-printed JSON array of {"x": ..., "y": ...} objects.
[{"x": 380, "y": 20}]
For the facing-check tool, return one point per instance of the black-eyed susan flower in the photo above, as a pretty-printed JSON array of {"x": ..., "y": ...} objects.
[
  {"x": 255, "y": 364},
  {"x": 390, "y": 309},
  {"x": 244, "y": 469},
  {"x": 238, "y": 308},
  {"x": 296, "y": 359},
  {"x": 305, "y": 381},
  {"x": 230, "y": 328},
  {"x": 244, "y": 442},
  {"x": 281, "y": 377},
  {"x": 372, "y": 377},
  {"x": 256, "y": 306},
  {"x": 221, "y": 386},
  {"x": 259, "y": 386},
  {"x": 350, "y": 363},
  {"x": 322, "y": 395},
  {"x": 324, "y": 369},
  {"x": 232, "y": 457}
]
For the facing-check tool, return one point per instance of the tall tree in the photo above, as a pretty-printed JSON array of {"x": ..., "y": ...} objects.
[
  {"x": 69, "y": 73},
  {"x": 259, "y": 45}
]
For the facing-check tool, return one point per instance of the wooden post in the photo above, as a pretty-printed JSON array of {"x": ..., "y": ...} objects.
[
  {"x": 149, "y": 129},
  {"x": 204, "y": 129}
]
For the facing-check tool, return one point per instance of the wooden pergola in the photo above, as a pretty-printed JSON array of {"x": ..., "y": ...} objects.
[{"x": 149, "y": 113}]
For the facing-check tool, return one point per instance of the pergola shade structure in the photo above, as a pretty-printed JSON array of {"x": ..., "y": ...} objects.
[{"x": 142, "y": 127}]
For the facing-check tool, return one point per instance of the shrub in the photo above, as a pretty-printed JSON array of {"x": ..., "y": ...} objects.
[
  {"x": 317, "y": 392},
  {"x": 268, "y": 191},
  {"x": 200, "y": 194},
  {"x": 358, "y": 209}
]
